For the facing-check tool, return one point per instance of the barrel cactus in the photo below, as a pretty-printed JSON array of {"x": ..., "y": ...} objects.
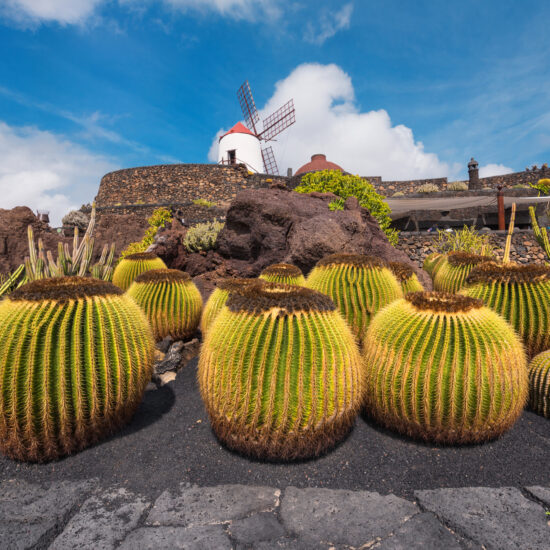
[
  {"x": 133, "y": 265},
  {"x": 75, "y": 358},
  {"x": 283, "y": 273},
  {"x": 539, "y": 384},
  {"x": 219, "y": 297},
  {"x": 280, "y": 373},
  {"x": 444, "y": 368},
  {"x": 433, "y": 262},
  {"x": 359, "y": 285},
  {"x": 171, "y": 301},
  {"x": 451, "y": 274},
  {"x": 521, "y": 294},
  {"x": 406, "y": 276}
]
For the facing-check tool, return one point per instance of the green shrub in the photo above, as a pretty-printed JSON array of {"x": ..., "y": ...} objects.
[
  {"x": 428, "y": 188},
  {"x": 333, "y": 181},
  {"x": 543, "y": 186},
  {"x": 467, "y": 239},
  {"x": 202, "y": 236},
  {"x": 204, "y": 202},
  {"x": 158, "y": 219},
  {"x": 336, "y": 205},
  {"x": 457, "y": 186}
]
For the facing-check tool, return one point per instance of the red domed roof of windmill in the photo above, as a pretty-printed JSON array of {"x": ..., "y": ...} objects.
[
  {"x": 318, "y": 162},
  {"x": 239, "y": 128}
]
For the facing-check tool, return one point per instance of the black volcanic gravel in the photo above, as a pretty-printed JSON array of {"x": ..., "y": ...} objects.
[{"x": 170, "y": 441}]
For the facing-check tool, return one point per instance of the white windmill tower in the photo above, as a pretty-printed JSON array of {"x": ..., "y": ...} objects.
[{"x": 244, "y": 144}]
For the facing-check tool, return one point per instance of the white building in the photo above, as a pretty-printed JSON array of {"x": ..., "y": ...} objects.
[{"x": 240, "y": 145}]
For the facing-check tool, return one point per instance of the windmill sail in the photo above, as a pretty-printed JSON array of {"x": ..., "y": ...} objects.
[
  {"x": 279, "y": 121},
  {"x": 270, "y": 165},
  {"x": 248, "y": 106}
]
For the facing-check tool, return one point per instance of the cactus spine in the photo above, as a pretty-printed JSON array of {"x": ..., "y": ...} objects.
[
  {"x": 359, "y": 285},
  {"x": 521, "y": 294},
  {"x": 539, "y": 384},
  {"x": 283, "y": 273},
  {"x": 406, "y": 276},
  {"x": 452, "y": 273},
  {"x": 432, "y": 263},
  {"x": 441, "y": 367},
  {"x": 133, "y": 265},
  {"x": 219, "y": 297},
  {"x": 280, "y": 373},
  {"x": 75, "y": 358},
  {"x": 171, "y": 301}
]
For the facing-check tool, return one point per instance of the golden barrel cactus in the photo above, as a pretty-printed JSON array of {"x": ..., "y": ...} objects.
[
  {"x": 283, "y": 273},
  {"x": 171, "y": 301},
  {"x": 521, "y": 294},
  {"x": 444, "y": 368},
  {"x": 75, "y": 358},
  {"x": 280, "y": 373},
  {"x": 359, "y": 285},
  {"x": 406, "y": 276},
  {"x": 433, "y": 262},
  {"x": 133, "y": 265},
  {"x": 452, "y": 273},
  {"x": 539, "y": 384}
]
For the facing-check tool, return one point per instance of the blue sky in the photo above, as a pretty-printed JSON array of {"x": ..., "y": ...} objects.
[{"x": 393, "y": 88}]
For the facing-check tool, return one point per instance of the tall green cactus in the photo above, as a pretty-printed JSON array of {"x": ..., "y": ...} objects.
[
  {"x": 540, "y": 232},
  {"x": 133, "y": 265},
  {"x": 452, "y": 273},
  {"x": 432, "y": 263},
  {"x": 171, "y": 301},
  {"x": 359, "y": 285},
  {"x": 13, "y": 281},
  {"x": 219, "y": 297},
  {"x": 280, "y": 373},
  {"x": 539, "y": 384},
  {"x": 444, "y": 368},
  {"x": 75, "y": 358},
  {"x": 283, "y": 273},
  {"x": 521, "y": 294},
  {"x": 406, "y": 276}
]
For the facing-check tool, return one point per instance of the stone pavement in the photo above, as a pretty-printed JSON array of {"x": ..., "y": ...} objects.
[{"x": 73, "y": 514}]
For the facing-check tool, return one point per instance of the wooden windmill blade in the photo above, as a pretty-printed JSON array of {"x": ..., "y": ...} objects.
[
  {"x": 279, "y": 121},
  {"x": 270, "y": 164},
  {"x": 248, "y": 106}
]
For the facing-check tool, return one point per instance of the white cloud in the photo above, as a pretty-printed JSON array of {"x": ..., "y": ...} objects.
[
  {"x": 328, "y": 120},
  {"x": 329, "y": 24},
  {"x": 42, "y": 170},
  {"x": 235, "y": 9},
  {"x": 63, "y": 11},
  {"x": 494, "y": 170}
]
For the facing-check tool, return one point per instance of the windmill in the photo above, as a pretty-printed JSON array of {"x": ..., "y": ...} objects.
[{"x": 244, "y": 144}]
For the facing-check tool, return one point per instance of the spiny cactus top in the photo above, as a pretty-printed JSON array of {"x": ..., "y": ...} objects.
[
  {"x": 133, "y": 265},
  {"x": 283, "y": 273},
  {"x": 451, "y": 274},
  {"x": 75, "y": 358},
  {"x": 171, "y": 301},
  {"x": 359, "y": 285},
  {"x": 406, "y": 276},
  {"x": 521, "y": 294},
  {"x": 219, "y": 297},
  {"x": 280, "y": 373},
  {"x": 432, "y": 263},
  {"x": 444, "y": 368},
  {"x": 539, "y": 384}
]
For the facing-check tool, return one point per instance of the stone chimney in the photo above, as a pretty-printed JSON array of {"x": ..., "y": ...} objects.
[{"x": 473, "y": 174}]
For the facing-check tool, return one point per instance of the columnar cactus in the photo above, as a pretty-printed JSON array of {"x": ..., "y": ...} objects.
[
  {"x": 133, "y": 265},
  {"x": 444, "y": 368},
  {"x": 280, "y": 373},
  {"x": 521, "y": 294},
  {"x": 406, "y": 276},
  {"x": 283, "y": 273},
  {"x": 451, "y": 274},
  {"x": 219, "y": 297},
  {"x": 432, "y": 263},
  {"x": 171, "y": 301},
  {"x": 539, "y": 384},
  {"x": 359, "y": 285},
  {"x": 75, "y": 358}
]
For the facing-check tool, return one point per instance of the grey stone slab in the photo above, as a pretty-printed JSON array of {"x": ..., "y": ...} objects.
[
  {"x": 294, "y": 544},
  {"x": 208, "y": 505},
  {"x": 541, "y": 493},
  {"x": 498, "y": 519},
  {"x": 256, "y": 528},
  {"x": 204, "y": 537},
  {"x": 102, "y": 522},
  {"x": 421, "y": 532},
  {"x": 31, "y": 514},
  {"x": 354, "y": 518}
]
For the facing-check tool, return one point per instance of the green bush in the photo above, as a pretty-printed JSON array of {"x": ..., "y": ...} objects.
[
  {"x": 457, "y": 186},
  {"x": 333, "y": 181},
  {"x": 467, "y": 239},
  {"x": 159, "y": 218},
  {"x": 543, "y": 185},
  {"x": 336, "y": 205},
  {"x": 202, "y": 236},
  {"x": 204, "y": 202},
  {"x": 428, "y": 188}
]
